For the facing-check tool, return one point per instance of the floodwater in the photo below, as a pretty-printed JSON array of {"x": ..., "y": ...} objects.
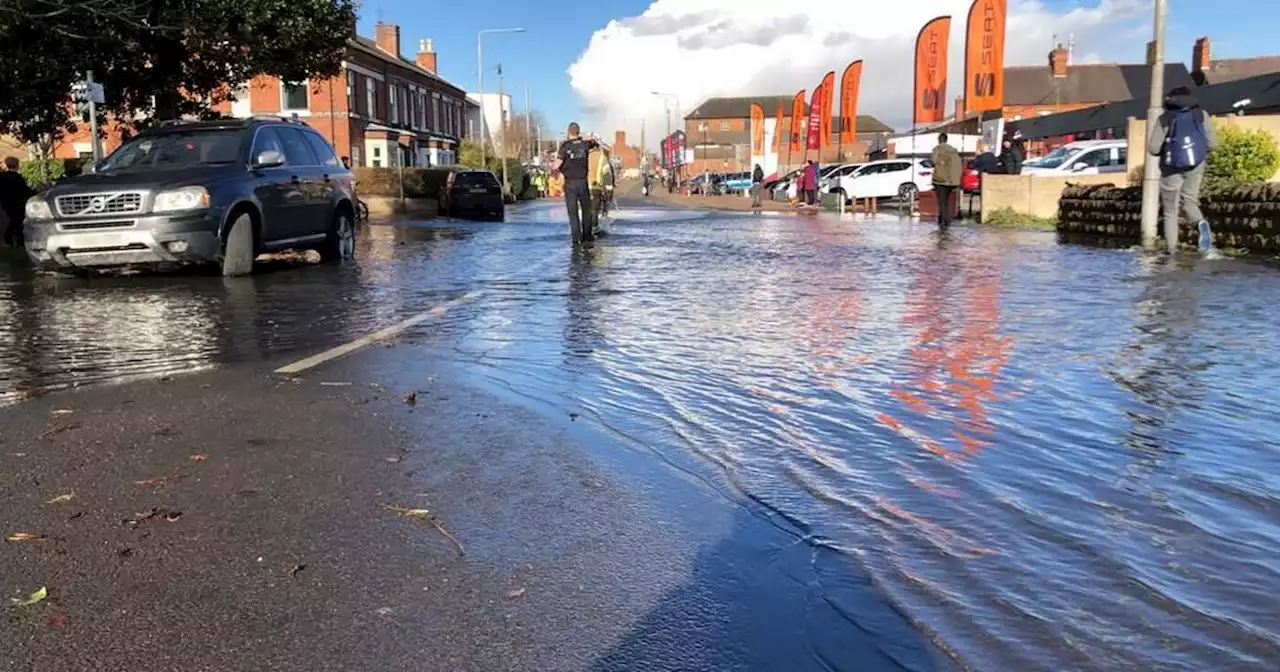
[{"x": 1045, "y": 456}]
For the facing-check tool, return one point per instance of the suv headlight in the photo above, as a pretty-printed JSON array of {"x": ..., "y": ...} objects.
[
  {"x": 38, "y": 208},
  {"x": 186, "y": 198}
]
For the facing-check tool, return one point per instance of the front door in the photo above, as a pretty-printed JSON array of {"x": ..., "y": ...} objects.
[{"x": 281, "y": 200}]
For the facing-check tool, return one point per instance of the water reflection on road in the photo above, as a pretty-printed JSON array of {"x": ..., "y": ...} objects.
[{"x": 1050, "y": 457}]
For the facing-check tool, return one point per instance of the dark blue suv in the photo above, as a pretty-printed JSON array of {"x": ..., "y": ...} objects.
[{"x": 198, "y": 193}]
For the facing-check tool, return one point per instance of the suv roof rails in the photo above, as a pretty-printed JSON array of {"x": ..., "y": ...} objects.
[{"x": 272, "y": 117}]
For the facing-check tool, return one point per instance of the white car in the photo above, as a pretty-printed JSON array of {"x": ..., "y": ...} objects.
[
  {"x": 1089, "y": 157},
  {"x": 832, "y": 178},
  {"x": 901, "y": 178}
]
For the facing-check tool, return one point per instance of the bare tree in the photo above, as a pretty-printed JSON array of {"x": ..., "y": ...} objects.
[{"x": 519, "y": 134}]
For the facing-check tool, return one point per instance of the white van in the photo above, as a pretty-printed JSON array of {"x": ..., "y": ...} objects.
[{"x": 1089, "y": 157}]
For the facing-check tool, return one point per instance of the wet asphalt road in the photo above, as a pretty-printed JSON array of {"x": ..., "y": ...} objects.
[{"x": 713, "y": 441}]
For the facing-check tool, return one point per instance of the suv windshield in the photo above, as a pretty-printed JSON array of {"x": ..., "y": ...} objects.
[{"x": 166, "y": 151}]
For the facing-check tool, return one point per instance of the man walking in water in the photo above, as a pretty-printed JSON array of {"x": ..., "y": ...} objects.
[
  {"x": 946, "y": 178},
  {"x": 1182, "y": 139},
  {"x": 571, "y": 162}
]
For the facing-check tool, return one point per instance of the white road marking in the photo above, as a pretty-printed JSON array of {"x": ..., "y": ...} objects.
[{"x": 347, "y": 348}]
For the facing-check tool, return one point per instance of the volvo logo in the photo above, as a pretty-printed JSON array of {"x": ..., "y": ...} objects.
[{"x": 97, "y": 204}]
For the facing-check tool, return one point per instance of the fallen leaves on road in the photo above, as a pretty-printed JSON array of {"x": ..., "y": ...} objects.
[
  {"x": 425, "y": 514},
  {"x": 168, "y": 514},
  {"x": 198, "y": 457},
  {"x": 62, "y": 498},
  {"x": 24, "y": 536},
  {"x": 296, "y": 568},
  {"x": 335, "y": 383},
  {"x": 62, "y": 411},
  {"x": 411, "y": 398},
  {"x": 159, "y": 481},
  {"x": 515, "y": 594},
  {"x": 55, "y": 619},
  {"x": 393, "y": 460},
  {"x": 35, "y": 598},
  {"x": 57, "y": 430}
]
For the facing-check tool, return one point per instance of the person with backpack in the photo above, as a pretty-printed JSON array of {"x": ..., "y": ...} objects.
[{"x": 1182, "y": 140}]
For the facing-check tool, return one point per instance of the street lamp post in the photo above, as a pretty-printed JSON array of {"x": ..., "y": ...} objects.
[
  {"x": 1151, "y": 170},
  {"x": 667, "y": 98},
  {"x": 480, "y": 80}
]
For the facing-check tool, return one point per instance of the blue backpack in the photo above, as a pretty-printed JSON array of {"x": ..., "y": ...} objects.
[{"x": 1186, "y": 145}]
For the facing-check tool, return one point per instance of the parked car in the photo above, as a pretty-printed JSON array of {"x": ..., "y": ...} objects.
[
  {"x": 971, "y": 180},
  {"x": 198, "y": 192},
  {"x": 781, "y": 182},
  {"x": 1089, "y": 157},
  {"x": 833, "y": 176},
  {"x": 472, "y": 193},
  {"x": 901, "y": 178},
  {"x": 737, "y": 183}
]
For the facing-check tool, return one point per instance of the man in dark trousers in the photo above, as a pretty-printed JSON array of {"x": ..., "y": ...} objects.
[
  {"x": 571, "y": 161},
  {"x": 757, "y": 186},
  {"x": 14, "y": 193},
  {"x": 947, "y": 171}
]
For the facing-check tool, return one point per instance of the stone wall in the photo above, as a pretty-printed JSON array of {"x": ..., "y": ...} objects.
[
  {"x": 391, "y": 207},
  {"x": 1247, "y": 218},
  {"x": 1032, "y": 195}
]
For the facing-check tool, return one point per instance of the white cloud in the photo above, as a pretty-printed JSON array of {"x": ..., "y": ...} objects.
[{"x": 701, "y": 48}]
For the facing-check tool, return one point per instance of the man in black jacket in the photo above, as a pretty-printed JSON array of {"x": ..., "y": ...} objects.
[
  {"x": 571, "y": 161},
  {"x": 14, "y": 193}
]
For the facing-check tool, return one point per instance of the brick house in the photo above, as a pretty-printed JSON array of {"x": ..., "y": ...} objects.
[
  {"x": 626, "y": 155},
  {"x": 381, "y": 110},
  {"x": 718, "y": 131},
  {"x": 1207, "y": 71}
]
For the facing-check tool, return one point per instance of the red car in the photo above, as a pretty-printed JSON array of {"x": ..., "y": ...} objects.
[{"x": 971, "y": 181}]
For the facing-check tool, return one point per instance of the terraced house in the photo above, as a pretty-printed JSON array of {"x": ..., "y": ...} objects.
[{"x": 382, "y": 110}]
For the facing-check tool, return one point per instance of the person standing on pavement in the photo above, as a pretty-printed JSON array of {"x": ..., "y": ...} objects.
[
  {"x": 757, "y": 185},
  {"x": 811, "y": 183},
  {"x": 572, "y": 163},
  {"x": 14, "y": 193},
  {"x": 1010, "y": 158},
  {"x": 1182, "y": 140},
  {"x": 947, "y": 172}
]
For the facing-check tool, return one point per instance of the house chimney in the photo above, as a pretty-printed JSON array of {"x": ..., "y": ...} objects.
[
  {"x": 619, "y": 140},
  {"x": 387, "y": 36},
  {"x": 1200, "y": 56},
  {"x": 1058, "y": 61},
  {"x": 426, "y": 56}
]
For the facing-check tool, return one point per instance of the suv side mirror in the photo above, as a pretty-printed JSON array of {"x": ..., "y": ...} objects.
[
  {"x": 268, "y": 159},
  {"x": 88, "y": 168},
  {"x": 1079, "y": 166}
]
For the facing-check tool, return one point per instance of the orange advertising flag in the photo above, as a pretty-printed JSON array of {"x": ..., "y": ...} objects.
[
  {"x": 777, "y": 129},
  {"x": 931, "y": 72},
  {"x": 849, "y": 83},
  {"x": 757, "y": 129},
  {"x": 984, "y": 56},
  {"x": 798, "y": 122},
  {"x": 828, "y": 109}
]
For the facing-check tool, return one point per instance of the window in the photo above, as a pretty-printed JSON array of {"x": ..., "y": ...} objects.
[
  {"x": 391, "y": 104},
  {"x": 1094, "y": 159},
  {"x": 724, "y": 125},
  {"x": 294, "y": 96},
  {"x": 371, "y": 98},
  {"x": 377, "y": 156},
  {"x": 435, "y": 113},
  {"x": 296, "y": 150},
  {"x": 355, "y": 156},
  {"x": 267, "y": 141},
  {"x": 1123, "y": 157},
  {"x": 323, "y": 152},
  {"x": 351, "y": 91}
]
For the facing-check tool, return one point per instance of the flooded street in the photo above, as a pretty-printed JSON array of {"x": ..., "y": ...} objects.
[{"x": 1045, "y": 456}]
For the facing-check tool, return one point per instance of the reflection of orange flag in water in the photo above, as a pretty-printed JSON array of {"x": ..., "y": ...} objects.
[
  {"x": 849, "y": 83},
  {"x": 798, "y": 121},
  {"x": 828, "y": 99},
  {"x": 931, "y": 72},
  {"x": 777, "y": 129},
  {"x": 984, "y": 56},
  {"x": 757, "y": 129}
]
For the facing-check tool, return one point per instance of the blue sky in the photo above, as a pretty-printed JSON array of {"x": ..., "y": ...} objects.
[{"x": 559, "y": 31}]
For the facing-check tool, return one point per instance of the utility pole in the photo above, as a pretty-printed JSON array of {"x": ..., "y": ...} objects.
[
  {"x": 480, "y": 81},
  {"x": 502, "y": 130},
  {"x": 642, "y": 150},
  {"x": 1151, "y": 170},
  {"x": 93, "y": 118},
  {"x": 528, "y": 121}
]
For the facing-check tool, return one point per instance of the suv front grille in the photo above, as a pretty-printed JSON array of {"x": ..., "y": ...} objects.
[
  {"x": 96, "y": 224},
  {"x": 92, "y": 205}
]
